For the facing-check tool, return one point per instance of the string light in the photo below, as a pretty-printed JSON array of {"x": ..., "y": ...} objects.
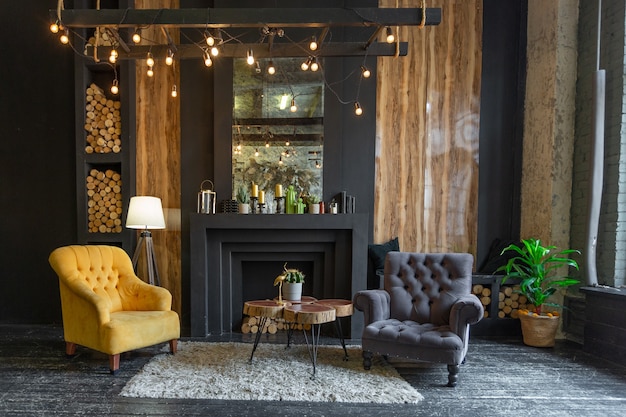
[
  {"x": 287, "y": 143},
  {"x": 271, "y": 70},
  {"x": 357, "y": 108},
  {"x": 317, "y": 164},
  {"x": 390, "y": 37},
  {"x": 305, "y": 65},
  {"x": 137, "y": 36},
  {"x": 65, "y": 38},
  {"x": 314, "y": 65},
  {"x": 215, "y": 51},
  {"x": 150, "y": 60},
  {"x": 210, "y": 40},
  {"x": 150, "y": 72},
  {"x": 280, "y": 160},
  {"x": 267, "y": 144},
  {"x": 54, "y": 28},
  {"x": 113, "y": 56},
  {"x": 313, "y": 45},
  {"x": 257, "y": 67},
  {"x": 365, "y": 72},
  {"x": 207, "y": 59},
  {"x": 250, "y": 57},
  {"x": 256, "y": 152},
  {"x": 293, "y": 107},
  {"x": 169, "y": 59},
  {"x": 114, "y": 87},
  {"x": 174, "y": 91}
]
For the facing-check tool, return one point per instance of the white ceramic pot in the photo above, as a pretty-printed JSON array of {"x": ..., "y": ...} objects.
[
  {"x": 244, "y": 208},
  {"x": 292, "y": 291},
  {"x": 314, "y": 208}
]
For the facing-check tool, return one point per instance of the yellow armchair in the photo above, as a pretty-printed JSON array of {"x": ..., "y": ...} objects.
[{"x": 106, "y": 307}]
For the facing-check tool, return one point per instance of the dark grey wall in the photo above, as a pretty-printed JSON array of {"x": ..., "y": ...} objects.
[
  {"x": 37, "y": 184},
  {"x": 501, "y": 122}
]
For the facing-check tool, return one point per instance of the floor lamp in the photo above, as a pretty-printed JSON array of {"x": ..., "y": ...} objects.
[{"x": 146, "y": 213}]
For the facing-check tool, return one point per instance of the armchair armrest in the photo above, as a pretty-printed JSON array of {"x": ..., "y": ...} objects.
[
  {"x": 140, "y": 296},
  {"x": 373, "y": 303},
  {"x": 465, "y": 311}
]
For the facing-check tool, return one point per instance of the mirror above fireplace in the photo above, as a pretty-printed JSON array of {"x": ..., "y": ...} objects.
[{"x": 278, "y": 125}]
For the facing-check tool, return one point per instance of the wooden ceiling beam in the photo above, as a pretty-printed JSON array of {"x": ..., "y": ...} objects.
[{"x": 246, "y": 17}]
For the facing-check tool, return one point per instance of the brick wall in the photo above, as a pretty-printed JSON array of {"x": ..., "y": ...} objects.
[{"x": 611, "y": 250}]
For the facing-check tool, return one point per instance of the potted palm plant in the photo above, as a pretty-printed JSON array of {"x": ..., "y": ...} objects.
[
  {"x": 535, "y": 266},
  {"x": 291, "y": 281}
]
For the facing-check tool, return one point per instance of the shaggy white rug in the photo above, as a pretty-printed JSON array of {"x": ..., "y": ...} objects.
[{"x": 222, "y": 371}]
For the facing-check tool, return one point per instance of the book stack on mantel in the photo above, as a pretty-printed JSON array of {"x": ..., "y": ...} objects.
[{"x": 345, "y": 203}]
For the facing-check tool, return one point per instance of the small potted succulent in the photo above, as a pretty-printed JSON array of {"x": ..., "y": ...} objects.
[
  {"x": 313, "y": 202},
  {"x": 534, "y": 266},
  {"x": 290, "y": 281},
  {"x": 243, "y": 199}
]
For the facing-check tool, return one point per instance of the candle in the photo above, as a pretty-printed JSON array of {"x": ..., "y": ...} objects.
[
  {"x": 255, "y": 190},
  {"x": 261, "y": 197},
  {"x": 279, "y": 190}
]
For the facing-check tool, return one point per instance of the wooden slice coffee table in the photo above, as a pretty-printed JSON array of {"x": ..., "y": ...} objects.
[
  {"x": 265, "y": 309},
  {"x": 343, "y": 308},
  {"x": 314, "y": 314}
]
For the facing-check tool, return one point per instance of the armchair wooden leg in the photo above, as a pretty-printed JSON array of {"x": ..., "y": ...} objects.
[
  {"x": 114, "y": 363},
  {"x": 70, "y": 349},
  {"x": 367, "y": 360},
  {"x": 173, "y": 346},
  {"x": 453, "y": 375}
]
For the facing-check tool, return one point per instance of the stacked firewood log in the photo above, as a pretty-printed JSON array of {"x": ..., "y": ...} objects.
[
  {"x": 484, "y": 295},
  {"x": 103, "y": 122},
  {"x": 510, "y": 302},
  {"x": 272, "y": 325},
  {"x": 104, "y": 201}
]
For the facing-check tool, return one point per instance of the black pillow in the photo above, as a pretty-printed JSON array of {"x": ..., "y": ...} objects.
[{"x": 379, "y": 252}]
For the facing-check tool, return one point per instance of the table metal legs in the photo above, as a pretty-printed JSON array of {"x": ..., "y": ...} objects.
[
  {"x": 314, "y": 345},
  {"x": 340, "y": 334},
  {"x": 257, "y": 336}
]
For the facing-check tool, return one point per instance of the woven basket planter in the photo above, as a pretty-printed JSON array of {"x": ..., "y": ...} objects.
[{"x": 539, "y": 331}]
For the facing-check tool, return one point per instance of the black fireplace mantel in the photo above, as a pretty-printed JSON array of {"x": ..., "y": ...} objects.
[{"x": 219, "y": 241}]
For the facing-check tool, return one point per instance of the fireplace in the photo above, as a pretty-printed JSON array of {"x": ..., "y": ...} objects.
[{"x": 235, "y": 258}]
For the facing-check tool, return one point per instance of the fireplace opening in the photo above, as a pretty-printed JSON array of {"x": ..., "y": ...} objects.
[{"x": 258, "y": 278}]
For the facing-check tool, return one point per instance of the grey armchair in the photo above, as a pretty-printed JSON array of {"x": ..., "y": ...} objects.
[{"x": 424, "y": 311}]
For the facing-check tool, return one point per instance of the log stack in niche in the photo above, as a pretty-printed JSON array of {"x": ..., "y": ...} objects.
[
  {"x": 104, "y": 201},
  {"x": 509, "y": 300},
  {"x": 252, "y": 324},
  {"x": 103, "y": 122}
]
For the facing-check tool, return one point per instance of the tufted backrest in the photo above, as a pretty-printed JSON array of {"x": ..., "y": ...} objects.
[
  {"x": 99, "y": 269},
  {"x": 423, "y": 286}
]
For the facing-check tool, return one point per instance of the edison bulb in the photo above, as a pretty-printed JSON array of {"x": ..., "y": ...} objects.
[
  {"x": 210, "y": 40},
  {"x": 207, "y": 61},
  {"x": 150, "y": 60},
  {"x": 305, "y": 65},
  {"x": 215, "y": 51},
  {"x": 65, "y": 39},
  {"x": 174, "y": 91},
  {"x": 136, "y": 37},
  {"x": 313, "y": 45},
  {"x": 314, "y": 66},
  {"x": 113, "y": 56},
  {"x": 150, "y": 72},
  {"x": 115, "y": 89},
  {"x": 54, "y": 28}
]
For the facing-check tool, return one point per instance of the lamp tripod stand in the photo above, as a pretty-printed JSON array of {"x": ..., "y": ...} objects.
[{"x": 153, "y": 271}]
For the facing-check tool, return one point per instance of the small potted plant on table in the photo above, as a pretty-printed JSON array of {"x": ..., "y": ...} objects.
[
  {"x": 291, "y": 281},
  {"x": 313, "y": 202},
  {"x": 534, "y": 267}
]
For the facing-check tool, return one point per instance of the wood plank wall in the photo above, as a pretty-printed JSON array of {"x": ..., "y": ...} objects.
[
  {"x": 427, "y": 133},
  {"x": 158, "y": 152}
]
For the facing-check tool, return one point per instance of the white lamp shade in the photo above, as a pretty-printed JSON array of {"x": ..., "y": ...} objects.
[{"x": 145, "y": 213}]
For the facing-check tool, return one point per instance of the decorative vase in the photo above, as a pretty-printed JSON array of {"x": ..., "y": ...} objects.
[
  {"x": 292, "y": 291},
  {"x": 539, "y": 331},
  {"x": 314, "y": 208},
  {"x": 244, "y": 208}
]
